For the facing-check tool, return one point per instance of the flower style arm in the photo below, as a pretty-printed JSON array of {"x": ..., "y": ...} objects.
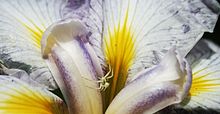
[{"x": 156, "y": 88}]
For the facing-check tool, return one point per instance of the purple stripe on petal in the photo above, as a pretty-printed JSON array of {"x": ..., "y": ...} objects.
[
  {"x": 155, "y": 88},
  {"x": 75, "y": 4},
  {"x": 86, "y": 55},
  {"x": 77, "y": 65},
  {"x": 68, "y": 81},
  {"x": 157, "y": 96}
]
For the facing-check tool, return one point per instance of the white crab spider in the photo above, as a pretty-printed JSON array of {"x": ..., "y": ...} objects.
[{"x": 103, "y": 81}]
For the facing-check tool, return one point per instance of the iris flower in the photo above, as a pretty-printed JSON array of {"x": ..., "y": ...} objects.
[{"x": 105, "y": 56}]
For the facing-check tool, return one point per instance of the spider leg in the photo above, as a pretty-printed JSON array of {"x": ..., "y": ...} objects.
[
  {"x": 99, "y": 78},
  {"x": 91, "y": 87},
  {"x": 99, "y": 88},
  {"x": 99, "y": 81},
  {"x": 112, "y": 74},
  {"x": 86, "y": 78},
  {"x": 91, "y": 80},
  {"x": 106, "y": 75},
  {"x": 102, "y": 88},
  {"x": 96, "y": 82},
  {"x": 110, "y": 69}
]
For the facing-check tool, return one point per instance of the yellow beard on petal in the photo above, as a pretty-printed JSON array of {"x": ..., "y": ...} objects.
[
  {"x": 23, "y": 100},
  {"x": 36, "y": 34},
  {"x": 119, "y": 48},
  {"x": 202, "y": 84},
  {"x": 35, "y": 31}
]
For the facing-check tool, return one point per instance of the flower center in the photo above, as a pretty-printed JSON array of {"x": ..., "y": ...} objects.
[{"x": 119, "y": 51}]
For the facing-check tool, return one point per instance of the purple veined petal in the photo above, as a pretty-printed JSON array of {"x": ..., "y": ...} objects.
[
  {"x": 90, "y": 13},
  {"x": 154, "y": 89},
  {"x": 19, "y": 97},
  {"x": 74, "y": 66}
]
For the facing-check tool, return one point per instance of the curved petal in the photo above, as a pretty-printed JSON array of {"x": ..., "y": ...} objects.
[
  {"x": 90, "y": 13},
  {"x": 22, "y": 23},
  {"x": 154, "y": 89},
  {"x": 204, "y": 93},
  {"x": 137, "y": 31},
  {"x": 21, "y": 98},
  {"x": 74, "y": 65}
]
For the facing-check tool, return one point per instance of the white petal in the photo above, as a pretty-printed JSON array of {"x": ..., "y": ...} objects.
[
  {"x": 157, "y": 25},
  {"x": 21, "y": 98},
  {"x": 22, "y": 23},
  {"x": 74, "y": 66},
  {"x": 155, "y": 88}
]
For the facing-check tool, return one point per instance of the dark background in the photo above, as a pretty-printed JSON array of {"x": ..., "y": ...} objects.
[{"x": 215, "y": 35}]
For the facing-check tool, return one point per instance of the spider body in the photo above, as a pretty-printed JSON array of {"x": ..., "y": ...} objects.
[{"x": 103, "y": 81}]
